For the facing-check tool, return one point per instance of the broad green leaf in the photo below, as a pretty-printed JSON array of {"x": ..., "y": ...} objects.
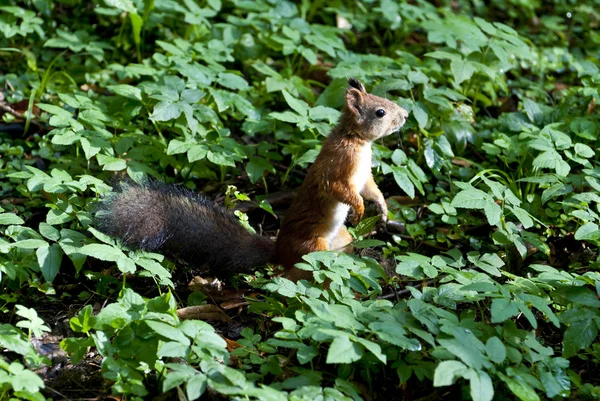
[
  {"x": 367, "y": 243},
  {"x": 584, "y": 150},
  {"x": 522, "y": 215},
  {"x": 169, "y": 332},
  {"x": 102, "y": 252},
  {"x": 403, "y": 180},
  {"x": 342, "y": 350},
  {"x": 462, "y": 70},
  {"x": 49, "y": 232},
  {"x": 232, "y": 81},
  {"x": 197, "y": 152},
  {"x": 176, "y": 146},
  {"x": 421, "y": 114},
  {"x": 10, "y": 218},
  {"x": 495, "y": 349},
  {"x": 49, "y": 258},
  {"x": 447, "y": 372},
  {"x": 503, "y": 309},
  {"x": 481, "y": 386},
  {"x": 221, "y": 159},
  {"x": 166, "y": 111},
  {"x": 588, "y": 231},
  {"x": 519, "y": 388},
  {"x": 374, "y": 348},
  {"x": 29, "y": 244},
  {"x": 467, "y": 348},
  {"x": 196, "y": 386},
  {"x": 584, "y": 128},
  {"x": 297, "y": 105},
  {"x": 127, "y": 91},
  {"x": 125, "y": 5}
]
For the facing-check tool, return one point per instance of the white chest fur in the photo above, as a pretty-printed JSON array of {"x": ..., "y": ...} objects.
[
  {"x": 363, "y": 168},
  {"x": 359, "y": 178}
]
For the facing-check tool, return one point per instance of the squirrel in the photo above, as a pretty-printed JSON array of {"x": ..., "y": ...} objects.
[{"x": 157, "y": 217}]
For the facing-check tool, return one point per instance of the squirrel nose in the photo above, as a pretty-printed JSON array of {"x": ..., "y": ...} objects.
[{"x": 404, "y": 114}]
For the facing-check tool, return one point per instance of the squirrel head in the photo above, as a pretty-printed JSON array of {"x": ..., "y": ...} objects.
[{"x": 371, "y": 116}]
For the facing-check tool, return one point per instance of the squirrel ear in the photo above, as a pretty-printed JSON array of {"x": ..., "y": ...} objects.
[
  {"x": 354, "y": 101},
  {"x": 355, "y": 83}
]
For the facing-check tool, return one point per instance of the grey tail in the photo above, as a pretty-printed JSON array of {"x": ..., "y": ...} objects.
[{"x": 158, "y": 217}]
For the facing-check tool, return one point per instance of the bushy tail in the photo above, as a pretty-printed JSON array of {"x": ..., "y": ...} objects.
[{"x": 155, "y": 216}]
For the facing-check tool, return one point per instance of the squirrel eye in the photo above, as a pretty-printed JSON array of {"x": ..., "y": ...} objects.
[{"x": 380, "y": 113}]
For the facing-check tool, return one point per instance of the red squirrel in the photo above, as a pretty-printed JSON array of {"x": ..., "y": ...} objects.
[{"x": 155, "y": 216}]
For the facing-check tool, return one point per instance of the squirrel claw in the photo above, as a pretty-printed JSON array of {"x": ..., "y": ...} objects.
[{"x": 354, "y": 218}]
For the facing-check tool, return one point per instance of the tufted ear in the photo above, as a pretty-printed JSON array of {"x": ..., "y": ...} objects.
[
  {"x": 355, "y": 101},
  {"x": 355, "y": 83}
]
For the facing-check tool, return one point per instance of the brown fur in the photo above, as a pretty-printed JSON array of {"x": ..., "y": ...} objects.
[{"x": 331, "y": 180}]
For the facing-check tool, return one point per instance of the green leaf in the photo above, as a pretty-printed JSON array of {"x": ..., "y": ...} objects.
[
  {"x": 522, "y": 215},
  {"x": 169, "y": 332},
  {"x": 490, "y": 262},
  {"x": 196, "y": 152},
  {"x": 10, "y": 218},
  {"x": 125, "y": 5},
  {"x": 519, "y": 388},
  {"x": 322, "y": 113},
  {"x": 196, "y": 386},
  {"x": 55, "y": 110},
  {"x": 256, "y": 168},
  {"x": 481, "y": 386},
  {"x": 29, "y": 244},
  {"x": 421, "y": 115},
  {"x": 166, "y": 111},
  {"x": 297, "y": 105},
  {"x": 367, "y": 243},
  {"x": 447, "y": 372},
  {"x": 462, "y": 71},
  {"x": 24, "y": 379},
  {"x": 402, "y": 178},
  {"x": 136, "y": 27},
  {"x": 220, "y": 159},
  {"x": 556, "y": 190},
  {"x": 495, "y": 349},
  {"x": 49, "y": 258},
  {"x": 374, "y": 348},
  {"x": 287, "y": 116},
  {"x": 584, "y": 128},
  {"x": 503, "y": 309},
  {"x": 171, "y": 349},
  {"x": 532, "y": 109},
  {"x": 580, "y": 334},
  {"x": 232, "y": 81},
  {"x": 176, "y": 146},
  {"x": 588, "y": 231},
  {"x": 128, "y": 91},
  {"x": 342, "y": 350},
  {"x": 49, "y": 232},
  {"x": 584, "y": 150},
  {"x": 467, "y": 348},
  {"x": 102, "y": 252}
]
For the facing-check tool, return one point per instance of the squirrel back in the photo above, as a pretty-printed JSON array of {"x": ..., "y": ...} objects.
[{"x": 158, "y": 217}]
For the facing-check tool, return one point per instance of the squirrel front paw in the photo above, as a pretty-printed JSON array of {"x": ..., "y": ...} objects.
[{"x": 356, "y": 215}]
